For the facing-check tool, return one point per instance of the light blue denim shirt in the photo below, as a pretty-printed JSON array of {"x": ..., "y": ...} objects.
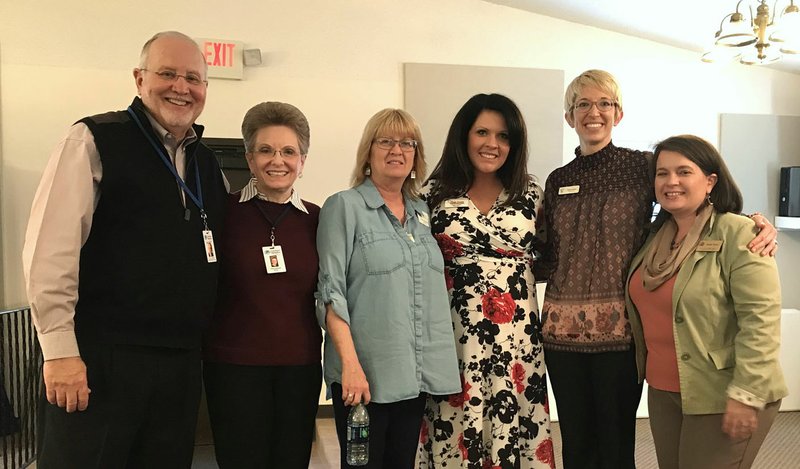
[{"x": 386, "y": 281}]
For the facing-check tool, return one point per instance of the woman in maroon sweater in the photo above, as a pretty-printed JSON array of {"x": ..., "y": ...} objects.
[{"x": 262, "y": 365}]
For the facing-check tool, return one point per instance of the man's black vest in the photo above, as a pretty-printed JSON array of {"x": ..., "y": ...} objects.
[{"x": 144, "y": 278}]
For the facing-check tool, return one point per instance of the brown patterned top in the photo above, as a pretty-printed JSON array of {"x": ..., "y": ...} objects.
[{"x": 597, "y": 211}]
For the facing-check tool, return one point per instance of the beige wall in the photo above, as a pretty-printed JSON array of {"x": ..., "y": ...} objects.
[
  {"x": 755, "y": 148},
  {"x": 339, "y": 61}
]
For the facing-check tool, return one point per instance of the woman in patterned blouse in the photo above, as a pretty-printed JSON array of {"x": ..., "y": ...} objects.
[{"x": 483, "y": 214}]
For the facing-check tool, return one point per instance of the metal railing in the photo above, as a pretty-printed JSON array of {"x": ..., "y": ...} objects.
[{"x": 20, "y": 386}]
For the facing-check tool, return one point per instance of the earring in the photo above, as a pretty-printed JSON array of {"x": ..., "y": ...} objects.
[
  {"x": 413, "y": 174},
  {"x": 708, "y": 199},
  {"x": 367, "y": 171},
  {"x": 300, "y": 176}
]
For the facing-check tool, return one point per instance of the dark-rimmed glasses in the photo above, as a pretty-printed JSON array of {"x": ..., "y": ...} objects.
[{"x": 603, "y": 105}]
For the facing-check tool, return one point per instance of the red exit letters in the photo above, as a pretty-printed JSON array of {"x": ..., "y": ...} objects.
[{"x": 219, "y": 54}]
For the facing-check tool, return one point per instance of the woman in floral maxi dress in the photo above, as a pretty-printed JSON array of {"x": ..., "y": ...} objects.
[{"x": 483, "y": 212}]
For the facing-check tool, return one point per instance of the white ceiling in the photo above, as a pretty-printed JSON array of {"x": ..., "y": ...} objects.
[{"x": 689, "y": 24}]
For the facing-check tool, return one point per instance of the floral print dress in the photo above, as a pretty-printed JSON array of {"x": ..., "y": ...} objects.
[{"x": 501, "y": 417}]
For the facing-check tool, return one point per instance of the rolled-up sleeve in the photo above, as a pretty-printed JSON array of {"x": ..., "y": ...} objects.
[{"x": 335, "y": 242}]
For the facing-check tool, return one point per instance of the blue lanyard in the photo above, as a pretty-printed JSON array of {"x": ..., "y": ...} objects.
[{"x": 198, "y": 200}]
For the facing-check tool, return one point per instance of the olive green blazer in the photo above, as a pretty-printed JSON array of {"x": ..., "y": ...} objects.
[{"x": 727, "y": 311}]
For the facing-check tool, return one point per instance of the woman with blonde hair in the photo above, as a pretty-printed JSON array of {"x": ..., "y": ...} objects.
[{"x": 381, "y": 294}]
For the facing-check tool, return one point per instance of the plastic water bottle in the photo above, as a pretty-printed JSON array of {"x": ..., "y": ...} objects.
[{"x": 358, "y": 436}]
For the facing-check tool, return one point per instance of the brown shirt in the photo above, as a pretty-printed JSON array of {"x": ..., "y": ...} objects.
[{"x": 597, "y": 209}]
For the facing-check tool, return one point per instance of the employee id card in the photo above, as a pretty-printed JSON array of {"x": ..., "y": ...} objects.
[
  {"x": 208, "y": 243},
  {"x": 273, "y": 259}
]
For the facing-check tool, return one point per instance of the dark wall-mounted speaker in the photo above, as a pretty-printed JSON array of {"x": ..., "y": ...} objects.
[{"x": 789, "y": 203}]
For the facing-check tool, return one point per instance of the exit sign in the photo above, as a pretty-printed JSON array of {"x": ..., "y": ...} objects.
[{"x": 224, "y": 57}]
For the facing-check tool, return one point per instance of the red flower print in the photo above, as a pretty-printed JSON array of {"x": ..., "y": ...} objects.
[
  {"x": 458, "y": 400},
  {"x": 487, "y": 464},
  {"x": 544, "y": 453},
  {"x": 448, "y": 280},
  {"x": 518, "y": 376},
  {"x": 464, "y": 452},
  {"x": 498, "y": 307},
  {"x": 508, "y": 253},
  {"x": 547, "y": 404},
  {"x": 423, "y": 433},
  {"x": 449, "y": 246}
]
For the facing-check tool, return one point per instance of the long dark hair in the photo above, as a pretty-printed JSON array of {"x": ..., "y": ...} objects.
[{"x": 453, "y": 175}]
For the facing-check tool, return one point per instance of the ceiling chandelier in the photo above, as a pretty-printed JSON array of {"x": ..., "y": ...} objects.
[{"x": 757, "y": 39}]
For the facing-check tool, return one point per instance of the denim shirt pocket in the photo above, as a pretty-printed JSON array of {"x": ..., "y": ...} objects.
[
  {"x": 435, "y": 259},
  {"x": 382, "y": 253}
]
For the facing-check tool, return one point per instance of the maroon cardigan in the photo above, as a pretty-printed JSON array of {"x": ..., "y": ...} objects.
[{"x": 266, "y": 319}]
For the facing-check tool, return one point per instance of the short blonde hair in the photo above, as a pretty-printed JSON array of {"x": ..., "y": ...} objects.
[
  {"x": 599, "y": 79},
  {"x": 386, "y": 123}
]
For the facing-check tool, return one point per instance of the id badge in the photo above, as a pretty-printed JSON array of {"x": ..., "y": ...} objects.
[
  {"x": 273, "y": 259},
  {"x": 208, "y": 243},
  {"x": 565, "y": 190},
  {"x": 709, "y": 245},
  {"x": 456, "y": 203}
]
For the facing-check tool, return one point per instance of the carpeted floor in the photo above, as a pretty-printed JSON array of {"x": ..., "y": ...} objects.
[{"x": 781, "y": 449}]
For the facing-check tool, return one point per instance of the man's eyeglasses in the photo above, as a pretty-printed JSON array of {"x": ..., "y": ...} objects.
[
  {"x": 389, "y": 143},
  {"x": 604, "y": 105},
  {"x": 168, "y": 75}
]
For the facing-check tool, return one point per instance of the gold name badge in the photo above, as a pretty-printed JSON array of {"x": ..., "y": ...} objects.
[
  {"x": 709, "y": 246},
  {"x": 456, "y": 203},
  {"x": 568, "y": 190}
]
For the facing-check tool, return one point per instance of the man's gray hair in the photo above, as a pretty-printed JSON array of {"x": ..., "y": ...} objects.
[{"x": 146, "y": 47}]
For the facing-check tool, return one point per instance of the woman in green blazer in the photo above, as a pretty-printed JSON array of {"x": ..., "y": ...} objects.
[{"x": 705, "y": 314}]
